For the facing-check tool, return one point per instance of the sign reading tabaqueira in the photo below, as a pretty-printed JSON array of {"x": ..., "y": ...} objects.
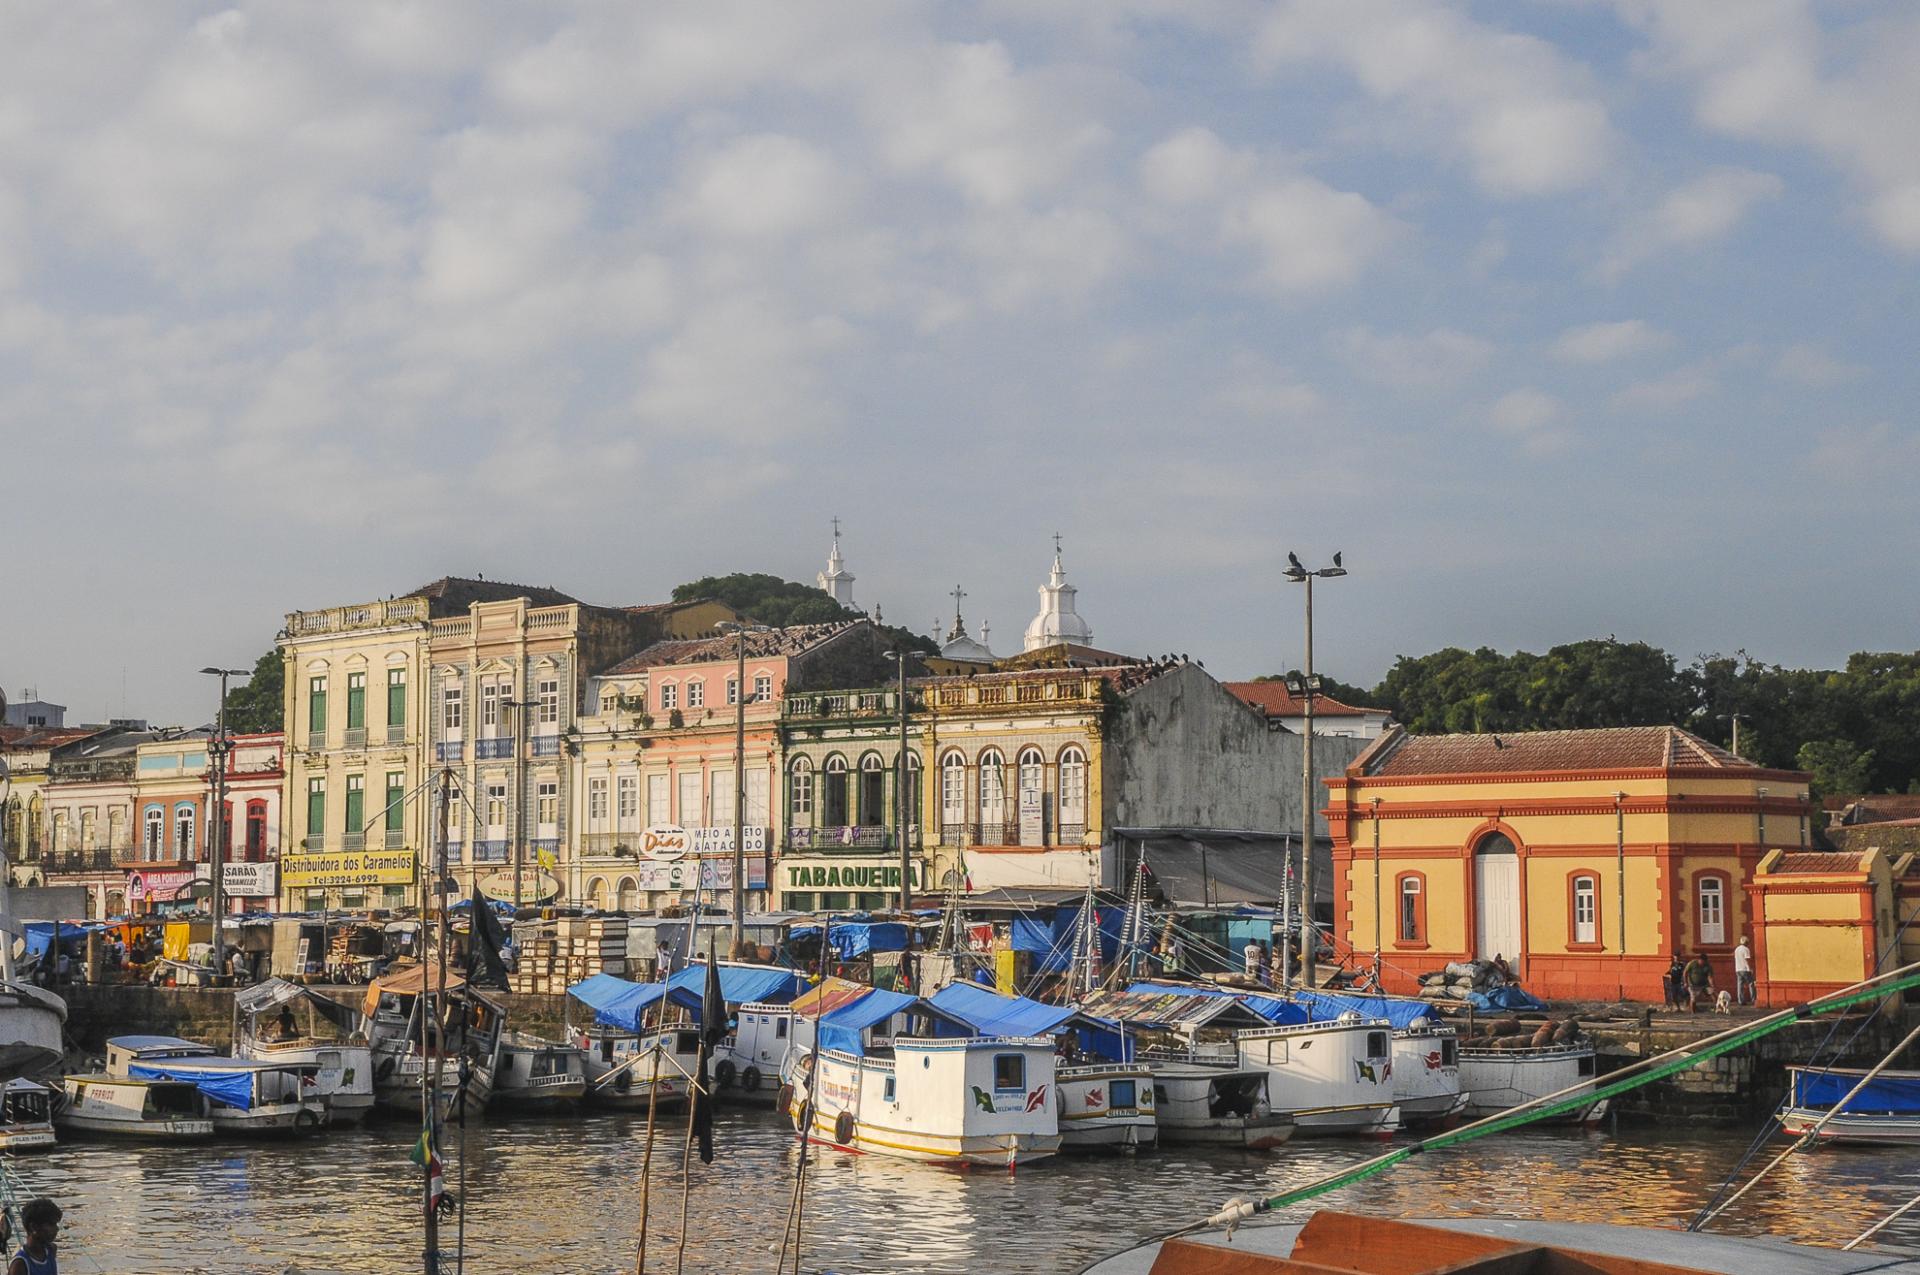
[{"x": 350, "y": 867}]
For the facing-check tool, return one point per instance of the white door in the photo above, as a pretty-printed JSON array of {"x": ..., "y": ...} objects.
[{"x": 1496, "y": 894}]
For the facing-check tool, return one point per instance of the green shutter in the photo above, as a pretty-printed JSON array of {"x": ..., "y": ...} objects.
[
  {"x": 356, "y": 807},
  {"x": 316, "y": 811},
  {"x": 357, "y": 702},
  {"x": 396, "y": 808},
  {"x": 317, "y": 708},
  {"x": 396, "y": 698}
]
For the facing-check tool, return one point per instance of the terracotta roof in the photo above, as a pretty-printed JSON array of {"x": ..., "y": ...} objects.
[
  {"x": 450, "y": 595},
  {"x": 1818, "y": 862},
  {"x": 652, "y": 608},
  {"x": 1058, "y": 654},
  {"x": 1275, "y": 700},
  {"x": 794, "y": 640},
  {"x": 1615, "y": 748},
  {"x": 1124, "y": 677},
  {"x": 1880, "y": 808},
  {"x": 23, "y": 737}
]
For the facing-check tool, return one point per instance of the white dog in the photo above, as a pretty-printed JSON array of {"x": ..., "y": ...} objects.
[{"x": 1723, "y": 1003}]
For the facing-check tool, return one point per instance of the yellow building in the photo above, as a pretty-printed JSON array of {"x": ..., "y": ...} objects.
[
  {"x": 1824, "y": 921},
  {"x": 1525, "y": 846}
]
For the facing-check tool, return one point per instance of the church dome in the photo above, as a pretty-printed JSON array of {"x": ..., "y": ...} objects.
[{"x": 1058, "y": 621}]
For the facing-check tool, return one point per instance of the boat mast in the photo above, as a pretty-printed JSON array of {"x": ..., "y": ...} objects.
[
  {"x": 7, "y": 923},
  {"x": 429, "y": 1021}
]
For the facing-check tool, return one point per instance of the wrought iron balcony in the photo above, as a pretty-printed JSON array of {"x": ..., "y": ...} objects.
[
  {"x": 996, "y": 832},
  {"x": 550, "y": 845},
  {"x": 397, "y": 733},
  {"x": 396, "y": 838},
  {"x": 353, "y": 841},
  {"x": 356, "y": 737},
  {"x": 99, "y": 859},
  {"x": 843, "y": 837},
  {"x": 450, "y": 750},
  {"x": 498, "y": 746},
  {"x": 316, "y": 741},
  {"x": 490, "y": 851},
  {"x": 607, "y": 844},
  {"x": 1073, "y": 834},
  {"x": 546, "y": 745}
]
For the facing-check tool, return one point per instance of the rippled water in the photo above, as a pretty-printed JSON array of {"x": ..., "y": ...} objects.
[{"x": 563, "y": 1196}]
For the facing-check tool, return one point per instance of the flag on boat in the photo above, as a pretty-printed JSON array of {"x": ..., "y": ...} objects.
[
  {"x": 427, "y": 1155},
  {"x": 713, "y": 1028},
  {"x": 485, "y": 938}
]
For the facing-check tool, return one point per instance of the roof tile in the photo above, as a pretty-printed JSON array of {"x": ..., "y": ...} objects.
[
  {"x": 1275, "y": 700},
  {"x": 1614, "y": 748}
]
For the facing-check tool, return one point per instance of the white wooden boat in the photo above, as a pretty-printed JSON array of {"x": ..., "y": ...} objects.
[
  {"x": 470, "y": 1028},
  {"x": 31, "y": 1021},
  {"x": 751, "y": 1059},
  {"x": 536, "y": 1074},
  {"x": 964, "y": 1101},
  {"x": 26, "y": 1116},
  {"x": 1886, "y": 1111},
  {"x": 1106, "y": 1106},
  {"x": 1330, "y": 1078},
  {"x": 343, "y": 1062},
  {"x": 1214, "y": 1103},
  {"x": 122, "y": 1107},
  {"x": 244, "y": 1096},
  {"x": 1426, "y": 1074},
  {"x": 1498, "y": 1079},
  {"x": 625, "y": 1070}
]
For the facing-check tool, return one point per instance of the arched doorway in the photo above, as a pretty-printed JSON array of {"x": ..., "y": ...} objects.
[{"x": 1496, "y": 898}]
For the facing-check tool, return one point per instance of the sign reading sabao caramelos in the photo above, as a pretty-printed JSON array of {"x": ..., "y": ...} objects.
[{"x": 347, "y": 867}]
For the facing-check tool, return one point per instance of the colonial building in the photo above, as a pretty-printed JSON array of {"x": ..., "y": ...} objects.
[
  {"x": 24, "y": 831},
  {"x": 170, "y": 804},
  {"x": 1330, "y": 717},
  {"x": 256, "y": 780},
  {"x": 1825, "y": 920},
  {"x": 1524, "y": 846},
  {"x": 659, "y": 755},
  {"x": 89, "y": 798}
]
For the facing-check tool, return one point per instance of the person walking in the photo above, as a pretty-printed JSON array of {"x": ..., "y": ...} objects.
[
  {"x": 1673, "y": 980},
  {"x": 1744, "y": 990},
  {"x": 1699, "y": 981}
]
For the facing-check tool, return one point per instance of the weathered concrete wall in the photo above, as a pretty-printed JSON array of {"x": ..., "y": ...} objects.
[{"x": 98, "y": 1011}]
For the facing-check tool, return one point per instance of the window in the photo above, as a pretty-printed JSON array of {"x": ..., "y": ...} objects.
[
  {"x": 452, "y": 709},
  {"x": 1713, "y": 915},
  {"x": 1073, "y": 787},
  {"x": 256, "y": 831},
  {"x": 1413, "y": 910},
  {"x": 762, "y": 687},
  {"x": 396, "y": 697},
  {"x": 629, "y": 797},
  {"x": 953, "y": 789},
  {"x": 1121, "y": 1094},
  {"x": 1009, "y": 1073},
  {"x": 496, "y": 805},
  {"x": 690, "y": 798},
  {"x": 696, "y": 694},
  {"x": 155, "y": 840},
  {"x": 316, "y": 807},
  {"x": 758, "y": 792},
  {"x": 609, "y": 702},
  {"x": 733, "y": 691},
  {"x": 1586, "y": 910},
  {"x": 356, "y": 701},
  {"x": 1377, "y": 1046},
  {"x": 183, "y": 831},
  {"x": 657, "y": 811},
  {"x": 1031, "y": 770},
  {"x": 547, "y": 801},
  {"x": 873, "y": 791},
  {"x": 596, "y": 802},
  {"x": 317, "y": 705},
  {"x": 549, "y": 697},
  {"x": 800, "y": 792},
  {"x": 780, "y": 1028},
  {"x": 356, "y": 804},
  {"x": 490, "y": 698},
  {"x": 993, "y": 787},
  {"x": 834, "y": 799},
  {"x": 720, "y": 798},
  {"x": 888, "y": 1095},
  {"x": 396, "y": 808},
  {"x": 669, "y": 696}
]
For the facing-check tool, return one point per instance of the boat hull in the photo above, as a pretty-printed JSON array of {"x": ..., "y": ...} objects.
[
  {"x": 993, "y": 1150},
  {"x": 1368, "y": 1120},
  {"x": 27, "y": 1139},
  {"x": 1871, "y": 1129},
  {"x": 283, "y": 1120},
  {"x": 1255, "y": 1133},
  {"x": 1106, "y": 1108},
  {"x": 110, "y": 1127},
  {"x": 1497, "y": 1080}
]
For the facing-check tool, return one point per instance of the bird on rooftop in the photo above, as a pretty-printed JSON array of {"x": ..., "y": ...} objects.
[
  {"x": 1293, "y": 560},
  {"x": 1336, "y": 557}
]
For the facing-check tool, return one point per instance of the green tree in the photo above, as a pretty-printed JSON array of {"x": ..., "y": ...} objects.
[
  {"x": 260, "y": 703},
  {"x": 768, "y": 599},
  {"x": 1837, "y": 765}
]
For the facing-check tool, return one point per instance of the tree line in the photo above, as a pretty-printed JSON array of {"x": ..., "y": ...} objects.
[{"x": 1855, "y": 729}]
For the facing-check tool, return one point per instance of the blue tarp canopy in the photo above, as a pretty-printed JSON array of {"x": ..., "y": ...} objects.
[
  {"x": 841, "y": 1028},
  {"x": 1051, "y": 939},
  {"x": 991, "y": 1014},
  {"x": 1281, "y": 1013},
  {"x": 1400, "y": 1011},
  {"x": 217, "y": 1078},
  {"x": 1898, "y": 1095},
  {"x": 616, "y": 1002},
  {"x": 1508, "y": 998},
  {"x": 73, "y": 936},
  {"x": 854, "y": 939},
  {"x": 738, "y": 985}
]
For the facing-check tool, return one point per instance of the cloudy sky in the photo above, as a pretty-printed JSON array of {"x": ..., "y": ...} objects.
[{"x": 1561, "y": 319}]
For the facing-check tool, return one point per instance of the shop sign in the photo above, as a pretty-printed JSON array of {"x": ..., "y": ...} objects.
[
  {"x": 143, "y": 886},
  {"x": 250, "y": 880},
  {"x": 868, "y": 876},
  {"x": 664, "y": 841},
  {"x": 346, "y": 868},
  {"x": 1033, "y": 815},
  {"x": 670, "y": 841},
  {"x": 535, "y": 887}
]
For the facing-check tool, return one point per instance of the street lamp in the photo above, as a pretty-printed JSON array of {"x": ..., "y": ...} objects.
[
  {"x": 1735, "y": 719},
  {"x": 6, "y": 869},
  {"x": 1308, "y": 684},
  {"x": 900, "y": 659},
  {"x": 1620, "y": 879},
  {"x": 220, "y": 748},
  {"x": 740, "y": 632},
  {"x": 519, "y": 707}
]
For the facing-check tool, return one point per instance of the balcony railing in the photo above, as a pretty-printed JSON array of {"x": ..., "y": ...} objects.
[
  {"x": 846, "y": 837},
  {"x": 316, "y": 740},
  {"x": 99, "y": 859},
  {"x": 953, "y": 834},
  {"x": 450, "y": 750},
  {"x": 546, "y": 745},
  {"x": 498, "y": 746},
  {"x": 549, "y": 617},
  {"x": 603, "y": 844},
  {"x": 397, "y": 733},
  {"x": 1073, "y": 834},
  {"x": 490, "y": 851},
  {"x": 353, "y": 841},
  {"x": 996, "y": 832},
  {"x": 356, "y": 737},
  {"x": 396, "y": 838},
  {"x": 550, "y": 845}
]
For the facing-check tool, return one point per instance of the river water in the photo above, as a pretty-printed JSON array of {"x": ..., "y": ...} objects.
[{"x": 562, "y": 1195}]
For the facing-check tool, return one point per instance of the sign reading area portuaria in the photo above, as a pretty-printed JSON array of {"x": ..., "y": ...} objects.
[{"x": 349, "y": 867}]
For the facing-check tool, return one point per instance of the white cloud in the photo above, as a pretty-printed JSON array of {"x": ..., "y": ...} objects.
[
  {"x": 764, "y": 186},
  {"x": 1522, "y": 116},
  {"x": 1440, "y": 357},
  {"x": 1865, "y": 455},
  {"x": 1811, "y": 365},
  {"x": 1605, "y": 342},
  {"x": 741, "y": 370},
  {"x": 1192, "y": 166},
  {"x": 1693, "y": 213},
  {"x": 1307, "y": 236},
  {"x": 1667, "y": 393},
  {"x": 1533, "y": 419},
  {"x": 1258, "y": 390}
]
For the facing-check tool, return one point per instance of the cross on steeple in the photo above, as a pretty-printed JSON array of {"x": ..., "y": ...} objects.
[
  {"x": 1056, "y": 544},
  {"x": 836, "y": 529},
  {"x": 956, "y": 595}
]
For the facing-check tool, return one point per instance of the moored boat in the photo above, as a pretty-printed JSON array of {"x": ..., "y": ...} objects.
[
  {"x": 1215, "y": 1104},
  {"x": 630, "y": 1070},
  {"x": 470, "y": 1030},
  {"x": 1885, "y": 1111},
  {"x": 26, "y": 1116},
  {"x": 1330, "y": 1078},
  {"x": 536, "y": 1074},
  {"x": 267, "y": 1030},
  {"x": 1497, "y": 1079},
  {"x": 1426, "y": 1051},
  {"x": 244, "y": 1096},
  {"x": 124, "y": 1107}
]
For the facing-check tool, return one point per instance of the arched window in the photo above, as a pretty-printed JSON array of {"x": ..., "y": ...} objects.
[
  {"x": 1411, "y": 924},
  {"x": 597, "y": 893},
  {"x": 1585, "y": 902},
  {"x": 835, "y": 797},
  {"x": 153, "y": 840},
  {"x": 953, "y": 791},
  {"x": 800, "y": 793},
  {"x": 993, "y": 797},
  {"x": 183, "y": 831},
  {"x": 629, "y": 895},
  {"x": 1073, "y": 795},
  {"x": 1711, "y": 890},
  {"x": 913, "y": 793},
  {"x": 873, "y": 791}
]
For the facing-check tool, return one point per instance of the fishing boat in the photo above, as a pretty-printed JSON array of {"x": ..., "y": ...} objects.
[
  {"x": 471, "y": 1028},
  {"x": 124, "y": 1107},
  {"x": 752, "y": 1056},
  {"x": 26, "y": 1116},
  {"x": 1885, "y": 1111},
  {"x": 1330, "y": 1078},
  {"x": 1214, "y": 1103},
  {"x": 965, "y": 1101},
  {"x": 536, "y": 1074},
  {"x": 31, "y": 1023},
  {"x": 267, "y": 1030},
  {"x": 1426, "y": 1052},
  {"x": 630, "y": 1070},
  {"x": 1497, "y": 1079},
  {"x": 244, "y": 1096}
]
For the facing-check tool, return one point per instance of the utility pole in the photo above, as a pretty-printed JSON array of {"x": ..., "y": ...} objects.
[
  {"x": 1620, "y": 879},
  {"x": 1307, "y": 685},
  {"x": 217, "y": 824},
  {"x": 739, "y": 632},
  {"x": 900, "y": 781},
  {"x": 1376, "y": 894},
  {"x": 518, "y": 826},
  {"x": 6, "y": 872}
]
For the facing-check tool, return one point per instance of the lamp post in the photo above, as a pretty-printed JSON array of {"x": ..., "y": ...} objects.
[
  {"x": 519, "y": 707},
  {"x": 900, "y": 659},
  {"x": 1308, "y": 684},
  {"x": 740, "y": 632},
  {"x": 1620, "y": 879},
  {"x": 6, "y": 870},
  {"x": 1735, "y": 719},
  {"x": 221, "y": 747},
  {"x": 1376, "y": 894}
]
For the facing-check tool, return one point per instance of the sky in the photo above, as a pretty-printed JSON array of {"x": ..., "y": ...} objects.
[{"x": 1558, "y": 319}]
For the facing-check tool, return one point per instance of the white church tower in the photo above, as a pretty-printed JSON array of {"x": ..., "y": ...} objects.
[
  {"x": 836, "y": 580},
  {"x": 1057, "y": 622}
]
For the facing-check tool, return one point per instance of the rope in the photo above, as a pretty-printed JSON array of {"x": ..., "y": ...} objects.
[
  {"x": 1568, "y": 1100},
  {"x": 646, "y": 1163},
  {"x": 1811, "y": 1135},
  {"x": 1877, "y": 1227}
]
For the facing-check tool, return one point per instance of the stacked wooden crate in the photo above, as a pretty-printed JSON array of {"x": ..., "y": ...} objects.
[{"x": 556, "y": 954}]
